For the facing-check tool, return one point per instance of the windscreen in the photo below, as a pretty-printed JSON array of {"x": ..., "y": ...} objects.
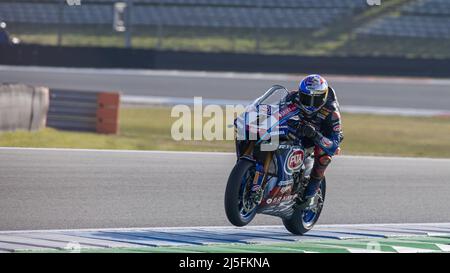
[{"x": 273, "y": 96}]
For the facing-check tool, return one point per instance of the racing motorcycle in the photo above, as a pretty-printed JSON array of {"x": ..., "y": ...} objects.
[{"x": 268, "y": 174}]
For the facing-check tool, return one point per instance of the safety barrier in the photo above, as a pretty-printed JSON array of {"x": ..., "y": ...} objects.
[
  {"x": 23, "y": 107},
  {"x": 101, "y": 57},
  {"x": 84, "y": 111}
]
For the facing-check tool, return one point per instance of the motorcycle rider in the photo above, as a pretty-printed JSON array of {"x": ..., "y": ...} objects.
[{"x": 319, "y": 128}]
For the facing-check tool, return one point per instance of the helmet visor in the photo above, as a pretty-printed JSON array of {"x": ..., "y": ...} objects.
[{"x": 312, "y": 100}]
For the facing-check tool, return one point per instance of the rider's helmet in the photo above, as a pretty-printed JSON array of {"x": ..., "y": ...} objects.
[{"x": 313, "y": 92}]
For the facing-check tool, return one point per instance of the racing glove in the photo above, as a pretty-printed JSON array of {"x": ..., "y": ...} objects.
[
  {"x": 307, "y": 131},
  {"x": 328, "y": 145}
]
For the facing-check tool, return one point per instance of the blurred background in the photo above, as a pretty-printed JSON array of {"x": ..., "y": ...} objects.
[
  {"x": 388, "y": 61},
  {"x": 405, "y": 28}
]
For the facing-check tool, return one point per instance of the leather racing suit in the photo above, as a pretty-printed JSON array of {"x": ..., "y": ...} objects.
[{"x": 327, "y": 138}]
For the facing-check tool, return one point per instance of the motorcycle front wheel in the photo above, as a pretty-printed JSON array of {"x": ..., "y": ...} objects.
[
  {"x": 303, "y": 220},
  {"x": 239, "y": 208}
]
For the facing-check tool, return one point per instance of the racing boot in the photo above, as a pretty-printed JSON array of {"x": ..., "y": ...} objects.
[{"x": 308, "y": 198}]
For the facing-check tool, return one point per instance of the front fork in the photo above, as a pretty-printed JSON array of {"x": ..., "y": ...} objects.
[{"x": 260, "y": 179}]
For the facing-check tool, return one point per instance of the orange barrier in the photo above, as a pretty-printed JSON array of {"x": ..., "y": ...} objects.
[
  {"x": 84, "y": 111},
  {"x": 108, "y": 113}
]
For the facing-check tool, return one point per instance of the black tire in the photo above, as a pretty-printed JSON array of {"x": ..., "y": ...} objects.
[
  {"x": 295, "y": 224},
  {"x": 232, "y": 193}
]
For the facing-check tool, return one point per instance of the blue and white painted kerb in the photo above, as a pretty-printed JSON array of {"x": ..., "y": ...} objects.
[{"x": 11, "y": 241}]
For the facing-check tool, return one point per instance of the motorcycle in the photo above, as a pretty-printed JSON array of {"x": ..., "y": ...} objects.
[{"x": 269, "y": 175}]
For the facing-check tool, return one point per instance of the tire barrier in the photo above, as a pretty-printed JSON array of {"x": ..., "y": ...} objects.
[
  {"x": 23, "y": 107},
  {"x": 108, "y": 113},
  {"x": 84, "y": 111}
]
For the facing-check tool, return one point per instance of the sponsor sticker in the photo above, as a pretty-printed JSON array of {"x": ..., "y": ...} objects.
[
  {"x": 285, "y": 182},
  {"x": 278, "y": 200},
  {"x": 336, "y": 115},
  {"x": 287, "y": 197},
  {"x": 287, "y": 110},
  {"x": 337, "y": 128},
  {"x": 319, "y": 115},
  {"x": 283, "y": 146},
  {"x": 274, "y": 133},
  {"x": 285, "y": 189},
  {"x": 282, "y": 199},
  {"x": 326, "y": 142},
  {"x": 294, "y": 161}
]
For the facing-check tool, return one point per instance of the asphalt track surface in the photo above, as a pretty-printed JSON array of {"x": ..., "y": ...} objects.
[
  {"x": 356, "y": 91},
  {"x": 58, "y": 189}
]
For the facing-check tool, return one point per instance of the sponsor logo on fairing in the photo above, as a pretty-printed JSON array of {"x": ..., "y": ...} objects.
[
  {"x": 285, "y": 189},
  {"x": 294, "y": 161},
  {"x": 284, "y": 146},
  {"x": 280, "y": 199},
  {"x": 286, "y": 183}
]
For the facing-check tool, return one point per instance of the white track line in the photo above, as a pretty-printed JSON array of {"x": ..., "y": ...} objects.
[
  {"x": 204, "y": 153},
  {"x": 221, "y": 227}
]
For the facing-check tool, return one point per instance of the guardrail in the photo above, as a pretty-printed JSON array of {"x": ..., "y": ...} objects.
[{"x": 84, "y": 111}]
